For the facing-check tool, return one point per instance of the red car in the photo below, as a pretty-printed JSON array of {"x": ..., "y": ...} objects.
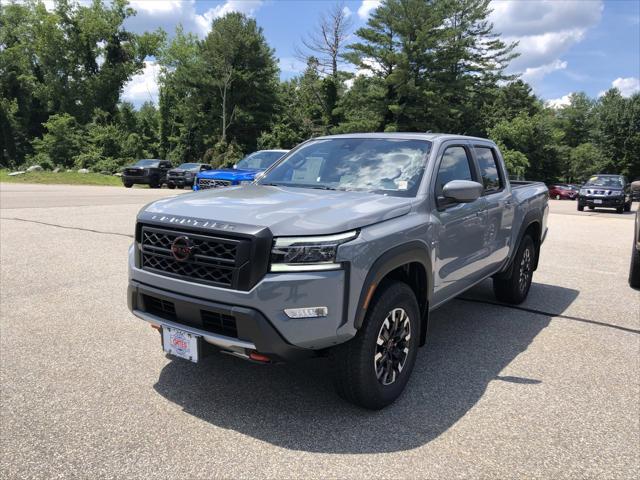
[{"x": 562, "y": 192}]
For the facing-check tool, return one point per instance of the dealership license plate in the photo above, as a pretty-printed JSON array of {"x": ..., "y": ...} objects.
[
  {"x": 597, "y": 202},
  {"x": 180, "y": 343}
]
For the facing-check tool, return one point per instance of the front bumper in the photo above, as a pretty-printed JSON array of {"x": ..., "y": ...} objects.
[
  {"x": 254, "y": 332},
  {"x": 137, "y": 179},
  {"x": 601, "y": 201},
  {"x": 257, "y": 311},
  {"x": 180, "y": 181}
]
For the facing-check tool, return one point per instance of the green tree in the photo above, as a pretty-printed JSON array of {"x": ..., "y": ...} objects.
[
  {"x": 63, "y": 140},
  {"x": 538, "y": 139}
]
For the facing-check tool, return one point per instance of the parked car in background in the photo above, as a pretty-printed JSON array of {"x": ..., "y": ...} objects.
[
  {"x": 562, "y": 192},
  {"x": 185, "y": 174},
  {"x": 606, "y": 191},
  {"x": 244, "y": 171},
  {"x": 634, "y": 269},
  {"x": 152, "y": 172},
  {"x": 343, "y": 248}
]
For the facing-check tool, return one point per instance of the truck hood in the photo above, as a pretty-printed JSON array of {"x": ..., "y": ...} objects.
[
  {"x": 182, "y": 171},
  {"x": 231, "y": 174},
  {"x": 285, "y": 210}
]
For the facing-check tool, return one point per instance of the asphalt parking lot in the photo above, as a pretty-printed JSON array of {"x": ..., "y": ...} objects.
[{"x": 550, "y": 390}]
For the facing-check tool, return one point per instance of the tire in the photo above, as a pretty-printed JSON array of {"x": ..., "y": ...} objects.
[
  {"x": 592, "y": 208},
  {"x": 359, "y": 375},
  {"x": 627, "y": 207},
  {"x": 128, "y": 185},
  {"x": 515, "y": 288},
  {"x": 580, "y": 208},
  {"x": 634, "y": 269},
  {"x": 620, "y": 209},
  {"x": 171, "y": 186}
]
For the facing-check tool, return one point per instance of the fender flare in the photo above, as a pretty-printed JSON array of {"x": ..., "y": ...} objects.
[
  {"x": 529, "y": 219},
  {"x": 410, "y": 252}
]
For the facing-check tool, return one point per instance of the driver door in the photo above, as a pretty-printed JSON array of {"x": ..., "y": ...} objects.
[{"x": 459, "y": 227}]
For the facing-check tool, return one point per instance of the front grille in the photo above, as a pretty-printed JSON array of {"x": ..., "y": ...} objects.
[
  {"x": 205, "y": 183},
  {"x": 213, "y": 260},
  {"x": 134, "y": 172}
]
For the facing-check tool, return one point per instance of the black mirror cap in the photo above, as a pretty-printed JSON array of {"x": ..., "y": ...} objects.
[{"x": 462, "y": 191}]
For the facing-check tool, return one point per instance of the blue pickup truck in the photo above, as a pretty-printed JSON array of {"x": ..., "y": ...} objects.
[{"x": 244, "y": 171}]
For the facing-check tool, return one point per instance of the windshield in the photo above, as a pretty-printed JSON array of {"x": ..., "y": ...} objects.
[
  {"x": 259, "y": 160},
  {"x": 382, "y": 165},
  {"x": 189, "y": 166},
  {"x": 147, "y": 163},
  {"x": 605, "y": 181}
]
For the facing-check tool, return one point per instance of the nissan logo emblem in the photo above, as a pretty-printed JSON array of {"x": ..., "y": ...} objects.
[{"x": 181, "y": 248}]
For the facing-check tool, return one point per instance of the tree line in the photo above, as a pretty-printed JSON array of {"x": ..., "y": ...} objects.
[{"x": 417, "y": 65}]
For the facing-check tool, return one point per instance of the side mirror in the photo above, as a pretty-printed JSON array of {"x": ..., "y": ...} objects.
[{"x": 460, "y": 191}]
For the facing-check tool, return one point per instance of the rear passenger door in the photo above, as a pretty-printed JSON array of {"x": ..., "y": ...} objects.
[
  {"x": 459, "y": 229},
  {"x": 499, "y": 206}
]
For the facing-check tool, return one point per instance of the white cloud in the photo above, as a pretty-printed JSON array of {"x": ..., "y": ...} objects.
[
  {"x": 367, "y": 7},
  {"x": 346, "y": 11},
  {"x": 143, "y": 87},
  {"x": 533, "y": 74},
  {"x": 627, "y": 86},
  {"x": 559, "y": 102},
  {"x": 545, "y": 30},
  {"x": 167, "y": 14}
]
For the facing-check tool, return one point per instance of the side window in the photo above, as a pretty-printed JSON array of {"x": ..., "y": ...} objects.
[
  {"x": 454, "y": 166},
  {"x": 489, "y": 170},
  {"x": 165, "y": 165}
]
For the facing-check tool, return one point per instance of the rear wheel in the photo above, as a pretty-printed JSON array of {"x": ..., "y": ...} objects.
[
  {"x": 515, "y": 288},
  {"x": 128, "y": 185},
  {"x": 171, "y": 186},
  {"x": 620, "y": 209},
  {"x": 580, "y": 208},
  {"x": 634, "y": 270},
  {"x": 627, "y": 207},
  {"x": 373, "y": 368}
]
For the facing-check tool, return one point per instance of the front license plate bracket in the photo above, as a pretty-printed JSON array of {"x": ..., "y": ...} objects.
[{"x": 182, "y": 344}]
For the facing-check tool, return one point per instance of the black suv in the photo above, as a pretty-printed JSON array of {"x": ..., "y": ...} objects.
[
  {"x": 150, "y": 172},
  {"x": 185, "y": 174},
  {"x": 606, "y": 191}
]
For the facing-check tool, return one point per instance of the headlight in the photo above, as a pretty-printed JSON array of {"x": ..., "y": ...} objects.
[
  {"x": 295, "y": 254},
  {"x": 188, "y": 174},
  {"x": 583, "y": 191},
  {"x": 245, "y": 182}
]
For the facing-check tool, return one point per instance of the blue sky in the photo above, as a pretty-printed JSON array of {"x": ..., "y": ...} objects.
[{"x": 565, "y": 45}]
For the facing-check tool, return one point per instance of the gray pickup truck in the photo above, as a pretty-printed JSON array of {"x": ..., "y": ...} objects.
[{"x": 341, "y": 249}]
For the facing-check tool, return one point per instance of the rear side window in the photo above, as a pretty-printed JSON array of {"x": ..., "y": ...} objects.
[
  {"x": 489, "y": 170},
  {"x": 454, "y": 166}
]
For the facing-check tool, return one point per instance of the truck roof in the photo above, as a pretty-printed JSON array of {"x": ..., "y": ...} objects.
[{"x": 406, "y": 135}]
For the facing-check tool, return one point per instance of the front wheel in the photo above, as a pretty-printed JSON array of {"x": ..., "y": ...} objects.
[
  {"x": 128, "y": 185},
  {"x": 627, "y": 207},
  {"x": 373, "y": 368},
  {"x": 580, "y": 208},
  {"x": 171, "y": 185},
  {"x": 515, "y": 288}
]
